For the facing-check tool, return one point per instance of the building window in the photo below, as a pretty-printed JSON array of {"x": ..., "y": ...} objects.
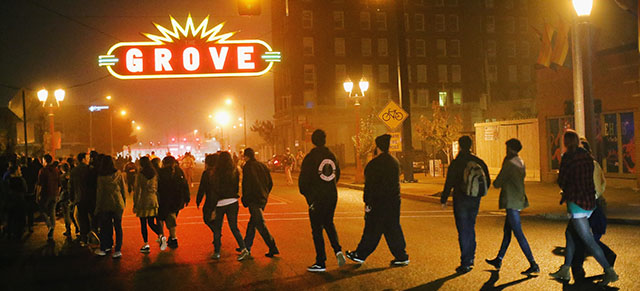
[
  {"x": 510, "y": 24},
  {"x": 439, "y": 3},
  {"x": 339, "y": 46},
  {"x": 488, "y": 3},
  {"x": 441, "y": 47},
  {"x": 525, "y": 73},
  {"x": 307, "y": 46},
  {"x": 457, "y": 96},
  {"x": 338, "y": 19},
  {"x": 524, "y": 24},
  {"x": 384, "y": 96},
  {"x": 383, "y": 47},
  {"x": 307, "y": 19},
  {"x": 490, "y": 24},
  {"x": 309, "y": 74},
  {"x": 423, "y": 97},
  {"x": 410, "y": 74},
  {"x": 452, "y": 23},
  {"x": 419, "y": 22},
  {"x": 511, "y": 49},
  {"x": 367, "y": 72},
  {"x": 383, "y": 73},
  {"x": 442, "y": 98},
  {"x": 439, "y": 23},
  {"x": 491, "y": 48},
  {"x": 454, "y": 48},
  {"x": 421, "y": 71},
  {"x": 442, "y": 74},
  {"x": 341, "y": 98},
  {"x": 513, "y": 73},
  {"x": 341, "y": 73},
  {"x": 492, "y": 73},
  {"x": 524, "y": 49},
  {"x": 365, "y": 47},
  {"x": 421, "y": 50},
  {"x": 309, "y": 98},
  {"x": 408, "y": 47},
  {"x": 456, "y": 74},
  {"x": 381, "y": 20},
  {"x": 365, "y": 21}
]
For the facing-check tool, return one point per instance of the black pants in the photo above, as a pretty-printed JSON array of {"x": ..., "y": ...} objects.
[
  {"x": 231, "y": 211},
  {"x": 257, "y": 222},
  {"x": 84, "y": 220},
  {"x": 30, "y": 208},
  {"x": 155, "y": 227},
  {"x": 110, "y": 221},
  {"x": 598, "y": 222},
  {"x": 321, "y": 218},
  {"x": 383, "y": 222}
]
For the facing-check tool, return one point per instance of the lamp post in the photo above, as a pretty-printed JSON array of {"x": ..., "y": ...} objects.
[
  {"x": 582, "y": 80},
  {"x": 348, "y": 87},
  {"x": 43, "y": 96},
  {"x": 222, "y": 118}
]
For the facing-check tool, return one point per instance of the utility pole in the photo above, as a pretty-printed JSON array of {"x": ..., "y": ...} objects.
[
  {"x": 24, "y": 116},
  {"x": 403, "y": 91}
]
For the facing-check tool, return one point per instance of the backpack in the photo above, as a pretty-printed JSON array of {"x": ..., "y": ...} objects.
[{"x": 475, "y": 182}]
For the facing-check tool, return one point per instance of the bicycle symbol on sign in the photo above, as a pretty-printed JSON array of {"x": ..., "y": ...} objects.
[{"x": 392, "y": 113}]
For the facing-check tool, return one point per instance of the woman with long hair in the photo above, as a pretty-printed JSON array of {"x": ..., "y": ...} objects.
[
  {"x": 145, "y": 203},
  {"x": 110, "y": 203},
  {"x": 578, "y": 191},
  {"x": 206, "y": 191},
  {"x": 226, "y": 182},
  {"x": 173, "y": 195}
]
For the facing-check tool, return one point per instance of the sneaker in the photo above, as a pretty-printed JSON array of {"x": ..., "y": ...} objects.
[
  {"x": 107, "y": 250},
  {"x": 116, "y": 255},
  {"x": 341, "y": 259},
  {"x": 163, "y": 243},
  {"x": 464, "y": 269},
  {"x": 534, "y": 269},
  {"x": 216, "y": 256},
  {"x": 173, "y": 243},
  {"x": 562, "y": 274},
  {"x": 270, "y": 254},
  {"x": 397, "y": 262},
  {"x": 145, "y": 249},
  {"x": 100, "y": 253},
  {"x": 316, "y": 268},
  {"x": 245, "y": 254},
  {"x": 354, "y": 257},
  {"x": 609, "y": 277},
  {"x": 496, "y": 263}
]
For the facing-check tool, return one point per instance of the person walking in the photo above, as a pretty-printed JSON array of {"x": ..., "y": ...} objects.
[
  {"x": 578, "y": 191},
  {"x": 317, "y": 182},
  {"x": 110, "y": 203},
  {"x": 78, "y": 189},
  {"x": 130, "y": 170},
  {"x": 206, "y": 191},
  {"x": 48, "y": 189},
  {"x": 187, "y": 164},
  {"x": 513, "y": 199},
  {"x": 289, "y": 162},
  {"x": 597, "y": 221},
  {"x": 67, "y": 200},
  {"x": 382, "y": 206},
  {"x": 225, "y": 183},
  {"x": 145, "y": 204},
  {"x": 173, "y": 195},
  {"x": 15, "y": 202},
  {"x": 256, "y": 186},
  {"x": 468, "y": 176}
]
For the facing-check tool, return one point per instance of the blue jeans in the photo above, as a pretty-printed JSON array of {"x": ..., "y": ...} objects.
[
  {"x": 465, "y": 211},
  {"x": 232, "y": 219},
  {"x": 512, "y": 224},
  {"x": 111, "y": 220},
  {"x": 583, "y": 231}
]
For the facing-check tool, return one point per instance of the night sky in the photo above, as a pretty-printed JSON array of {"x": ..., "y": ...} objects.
[{"x": 56, "y": 44}]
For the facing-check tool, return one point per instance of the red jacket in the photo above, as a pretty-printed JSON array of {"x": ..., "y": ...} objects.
[{"x": 49, "y": 181}]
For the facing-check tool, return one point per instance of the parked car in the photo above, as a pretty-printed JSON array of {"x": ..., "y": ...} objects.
[{"x": 276, "y": 163}]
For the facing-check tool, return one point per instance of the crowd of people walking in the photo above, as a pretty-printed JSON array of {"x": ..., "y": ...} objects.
[{"x": 91, "y": 192}]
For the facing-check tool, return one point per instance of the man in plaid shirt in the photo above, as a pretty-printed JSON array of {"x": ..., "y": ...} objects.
[{"x": 576, "y": 179}]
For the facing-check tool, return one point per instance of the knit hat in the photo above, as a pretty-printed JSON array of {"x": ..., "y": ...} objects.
[{"x": 383, "y": 141}]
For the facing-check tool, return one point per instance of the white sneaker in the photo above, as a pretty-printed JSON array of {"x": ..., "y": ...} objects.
[
  {"x": 341, "y": 259},
  {"x": 245, "y": 254},
  {"x": 145, "y": 249},
  {"x": 163, "y": 243},
  {"x": 116, "y": 255},
  {"x": 100, "y": 253}
]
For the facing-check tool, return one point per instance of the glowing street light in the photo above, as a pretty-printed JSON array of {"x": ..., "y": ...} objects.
[
  {"x": 348, "y": 87},
  {"x": 228, "y": 101},
  {"x": 43, "y": 96},
  {"x": 108, "y": 97},
  {"x": 138, "y": 128},
  {"x": 583, "y": 7},
  {"x": 133, "y": 122},
  {"x": 223, "y": 118},
  {"x": 123, "y": 112},
  {"x": 59, "y": 94}
]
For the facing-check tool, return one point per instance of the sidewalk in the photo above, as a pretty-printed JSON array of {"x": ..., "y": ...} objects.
[{"x": 623, "y": 204}]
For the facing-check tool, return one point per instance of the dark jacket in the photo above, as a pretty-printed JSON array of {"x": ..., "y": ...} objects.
[
  {"x": 576, "y": 179},
  {"x": 79, "y": 183},
  {"x": 173, "y": 191},
  {"x": 256, "y": 184},
  {"x": 319, "y": 175},
  {"x": 205, "y": 190},
  {"x": 382, "y": 183},
  {"x": 49, "y": 181},
  {"x": 511, "y": 181},
  {"x": 455, "y": 176},
  {"x": 226, "y": 187}
]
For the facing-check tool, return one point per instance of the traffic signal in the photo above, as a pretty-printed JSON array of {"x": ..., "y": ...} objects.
[{"x": 249, "y": 7}]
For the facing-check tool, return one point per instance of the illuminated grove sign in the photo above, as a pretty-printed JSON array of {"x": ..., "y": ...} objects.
[{"x": 189, "y": 52}]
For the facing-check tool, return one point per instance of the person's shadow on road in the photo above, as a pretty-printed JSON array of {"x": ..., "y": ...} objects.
[
  {"x": 585, "y": 285},
  {"x": 495, "y": 276},
  {"x": 436, "y": 284}
]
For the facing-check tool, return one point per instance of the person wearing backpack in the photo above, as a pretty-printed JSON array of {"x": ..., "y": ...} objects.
[
  {"x": 513, "y": 199},
  {"x": 468, "y": 176}
]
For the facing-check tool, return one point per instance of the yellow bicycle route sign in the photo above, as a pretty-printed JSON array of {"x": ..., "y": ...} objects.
[{"x": 392, "y": 115}]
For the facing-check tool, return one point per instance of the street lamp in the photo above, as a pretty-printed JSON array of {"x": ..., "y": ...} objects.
[
  {"x": 229, "y": 101},
  {"x": 43, "y": 96},
  {"x": 584, "y": 115},
  {"x": 348, "y": 87},
  {"x": 222, "y": 118}
]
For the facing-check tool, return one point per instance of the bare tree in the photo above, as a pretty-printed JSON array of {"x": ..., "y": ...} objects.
[{"x": 441, "y": 130}]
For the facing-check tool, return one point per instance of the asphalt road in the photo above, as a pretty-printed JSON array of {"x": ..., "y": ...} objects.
[{"x": 431, "y": 243}]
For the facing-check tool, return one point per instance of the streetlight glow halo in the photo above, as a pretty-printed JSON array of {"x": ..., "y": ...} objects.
[{"x": 583, "y": 7}]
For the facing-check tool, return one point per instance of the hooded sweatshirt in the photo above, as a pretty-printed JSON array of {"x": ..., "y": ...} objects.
[{"x": 511, "y": 181}]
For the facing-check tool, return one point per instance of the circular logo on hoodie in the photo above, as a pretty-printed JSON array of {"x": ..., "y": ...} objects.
[{"x": 327, "y": 170}]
